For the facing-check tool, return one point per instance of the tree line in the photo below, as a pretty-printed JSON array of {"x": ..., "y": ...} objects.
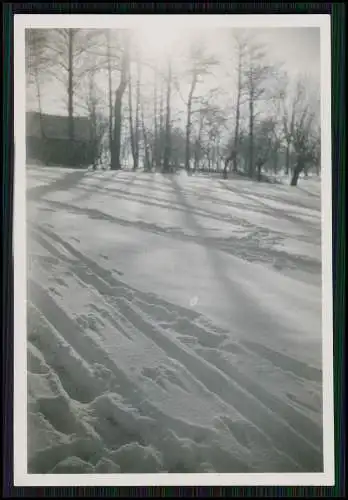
[{"x": 270, "y": 123}]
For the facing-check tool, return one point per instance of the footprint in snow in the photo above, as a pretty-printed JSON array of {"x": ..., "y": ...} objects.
[{"x": 194, "y": 301}]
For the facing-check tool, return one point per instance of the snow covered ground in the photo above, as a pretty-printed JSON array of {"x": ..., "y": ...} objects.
[{"x": 174, "y": 324}]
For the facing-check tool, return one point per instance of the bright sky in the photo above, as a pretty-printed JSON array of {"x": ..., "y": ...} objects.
[{"x": 298, "y": 49}]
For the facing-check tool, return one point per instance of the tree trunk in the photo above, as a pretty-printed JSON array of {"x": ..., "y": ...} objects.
[
  {"x": 131, "y": 128},
  {"x": 188, "y": 133},
  {"x": 167, "y": 149},
  {"x": 196, "y": 161},
  {"x": 155, "y": 123},
  {"x": 71, "y": 85},
  {"x": 236, "y": 130},
  {"x": 38, "y": 95},
  {"x": 109, "y": 88},
  {"x": 116, "y": 142},
  {"x": 93, "y": 119},
  {"x": 36, "y": 74},
  {"x": 296, "y": 173},
  {"x": 137, "y": 124},
  {"x": 198, "y": 144},
  {"x": 46, "y": 155},
  {"x": 146, "y": 144},
  {"x": 188, "y": 123},
  {"x": 161, "y": 128},
  {"x": 217, "y": 146},
  {"x": 251, "y": 136},
  {"x": 259, "y": 167},
  {"x": 224, "y": 172},
  {"x": 287, "y": 159},
  {"x": 196, "y": 154},
  {"x": 275, "y": 162},
  {"x": 213, "y": 156}
]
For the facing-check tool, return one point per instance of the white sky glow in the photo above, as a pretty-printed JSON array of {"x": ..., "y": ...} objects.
[{"x": 156, "y": 40}]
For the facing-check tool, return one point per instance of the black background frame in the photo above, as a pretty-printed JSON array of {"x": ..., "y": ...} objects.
[{"x": 337, "y": 12}]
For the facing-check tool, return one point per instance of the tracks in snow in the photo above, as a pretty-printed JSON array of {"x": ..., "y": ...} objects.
[
  {"x": 195, "y": 365},
  {"x": 256, "y": 246}
]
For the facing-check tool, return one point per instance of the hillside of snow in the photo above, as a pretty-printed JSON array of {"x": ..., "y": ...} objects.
[{"x": 174, "y": 324}]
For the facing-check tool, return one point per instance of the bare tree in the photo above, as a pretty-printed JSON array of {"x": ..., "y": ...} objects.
[
  {"x": 155, "y": 123},
  {"x": 167, "y": 147},
  {"x": 258, "y": 74},
  {"x": 98, "y": 124},
  {"x": 35, "y": 57},
  {"x": 276, "y": 142},
  {"x": 199, "y": 64},
  {"x": 276, "y": 129},
  {"x": 92, "y": 105},
  {"x": 77, "y": 56},
  {"x": 137, "y": 119},
  {"x": 65, "y": 52},
  {"x": 290, "y": 105},
  {"x": 215, "y": 122},
  {"x": 130, "y": 115},
  {"x": 306, "y": 143},
  {"x": 65, "y": 49},
  {"x": 230, "y": 157},
  {"x": 263, "y": 142},
  {"x": 71, "y": 36},
  {"x": 134, "y": 122},
  {"x": 146, "y": 141},
  {"x": 36, "y": 62},
  {"x": 109, "y": 72},
  {"x": 124, "y": 73},
  {"x": 161, "y": 128},
  {"x": 301, "y": 135},
  {"x": 241, "y": 49},
  {"x": 198, "y": 140}
]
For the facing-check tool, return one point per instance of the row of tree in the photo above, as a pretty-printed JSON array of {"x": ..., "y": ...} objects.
[{"x": 269, "y": 123}]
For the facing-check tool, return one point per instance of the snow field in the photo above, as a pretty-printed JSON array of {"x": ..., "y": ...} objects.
[{"x": 167, "y": 331}]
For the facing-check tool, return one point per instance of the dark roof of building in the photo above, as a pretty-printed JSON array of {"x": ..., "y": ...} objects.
[{"x": 57, "y": 127}]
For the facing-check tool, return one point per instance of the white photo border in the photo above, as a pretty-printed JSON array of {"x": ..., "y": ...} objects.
[{"x": 21, "y": 476}]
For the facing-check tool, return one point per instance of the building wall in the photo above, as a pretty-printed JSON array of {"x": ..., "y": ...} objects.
[{"x": 60, "y": 152}]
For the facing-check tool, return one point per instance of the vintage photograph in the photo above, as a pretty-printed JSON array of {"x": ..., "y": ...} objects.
[{"x": 174, "y": 249}]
